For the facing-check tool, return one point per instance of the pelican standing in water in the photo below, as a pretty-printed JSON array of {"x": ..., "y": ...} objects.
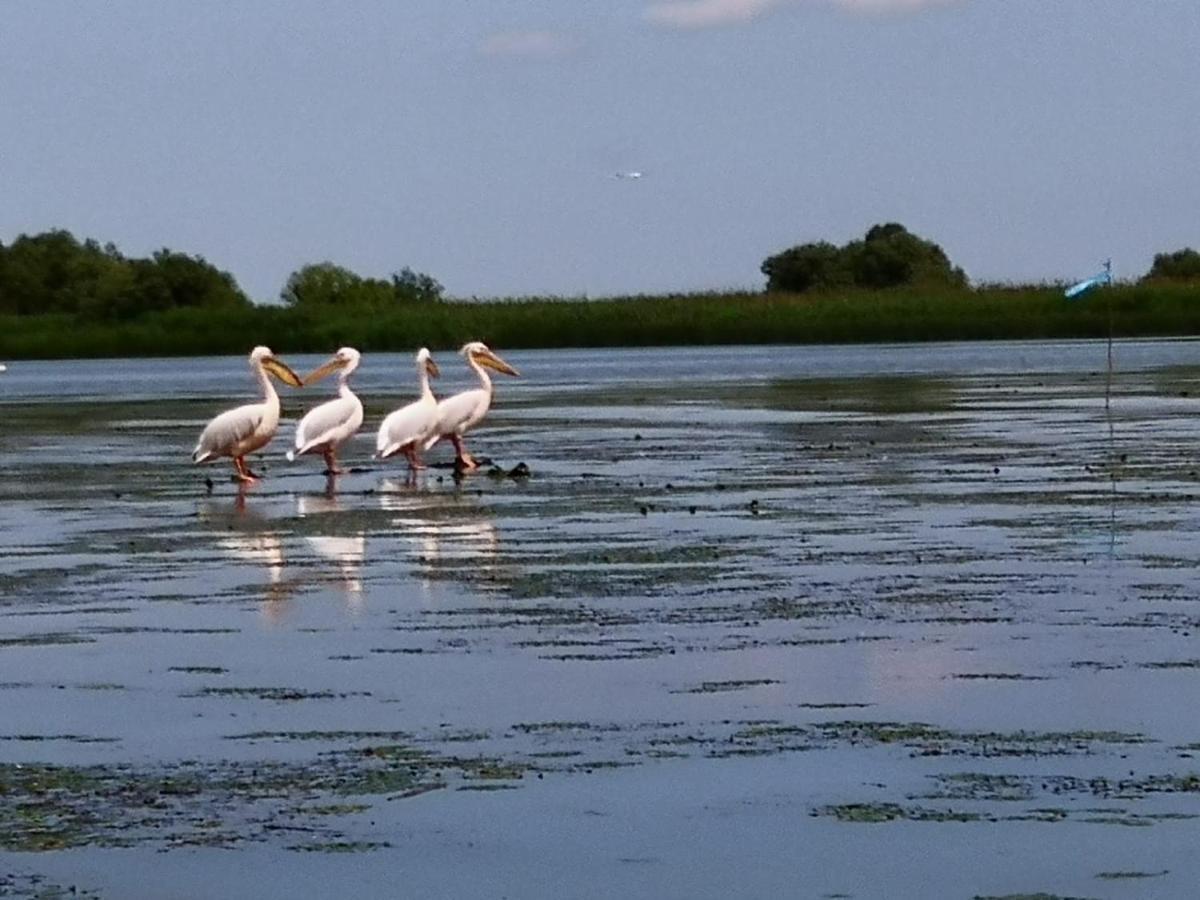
[
  {"x": 245, "y": 429},
  {"x": 459, "y": 414},
  {"x": 404, "y": 430},
  {"x": 331, "y": 424}
]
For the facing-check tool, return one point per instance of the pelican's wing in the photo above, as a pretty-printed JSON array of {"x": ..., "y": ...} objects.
[
  {"x": 406, "y": 425},
  {"x": 455, "y": 413},
  {"x": 322, "y": 423},
  {"x": 227, "y": 430}
]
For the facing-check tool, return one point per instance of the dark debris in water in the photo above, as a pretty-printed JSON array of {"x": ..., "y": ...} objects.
[
  {"x": 59, "y": 738},
  {"x": 720, "y": 687},
  {"x": 926, "y": 740},
  {"x": 1131, "y": 875},
  {"x": 276, "y": 694},
  {"x": 49, "y": 807},
  {"x": 22, "y": 886},
  {"x": 44, "y": 640}
]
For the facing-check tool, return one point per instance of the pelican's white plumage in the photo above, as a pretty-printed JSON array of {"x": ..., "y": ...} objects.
[
  {"x": 404, "y": 430},
  {"x": 243, "y": 430},
  {"x": 326, "y": 427},
  {"x": 459, "y": 414}
]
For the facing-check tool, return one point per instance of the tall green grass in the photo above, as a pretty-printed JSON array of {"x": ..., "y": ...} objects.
[{"x": 844, "y": 317}]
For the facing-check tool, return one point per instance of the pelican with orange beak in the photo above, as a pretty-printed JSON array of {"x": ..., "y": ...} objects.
[
  {"x": 404, "y": 430},
  {"x": 459, "y": 414},
  {"x": 328, "y": 426},
  {"x": 238, "y": 432}
]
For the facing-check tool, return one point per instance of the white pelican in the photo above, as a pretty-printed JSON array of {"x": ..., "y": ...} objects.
[
  {"x": 245, "y": 429},
  {"x": 459, "y": 414},
  {"x": 404, "y": 430},
  {"x": 328, "y": 426}
]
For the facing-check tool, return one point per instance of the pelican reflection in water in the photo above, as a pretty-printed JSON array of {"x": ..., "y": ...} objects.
[
  {"x": 346, "y": 551},
  {"x": 257, "y": 542},
  {"x": 250, "y": 539},
  {"x": 441, "y": 528}
]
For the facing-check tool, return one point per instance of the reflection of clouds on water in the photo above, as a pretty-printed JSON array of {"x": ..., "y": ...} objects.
[
  {"x": 895, "y": 674},
  {"x": 441, "y": 528},
  {"x": 347, "y": 552}
]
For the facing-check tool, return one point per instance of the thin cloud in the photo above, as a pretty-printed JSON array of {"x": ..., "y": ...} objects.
[
  {"x": 695, "y": 14},
  {"x": 890, "y": 6},
  {"x": 707, "y": 13},
  {"x": 527, "y": 45}
]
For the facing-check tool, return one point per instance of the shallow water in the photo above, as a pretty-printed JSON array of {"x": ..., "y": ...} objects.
[{"x": 868, "y": 622}]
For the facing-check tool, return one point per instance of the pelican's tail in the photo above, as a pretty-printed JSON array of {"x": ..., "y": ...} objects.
[
  {"x": 384, "y": 445},
  {"x": 302, "y": 449}
]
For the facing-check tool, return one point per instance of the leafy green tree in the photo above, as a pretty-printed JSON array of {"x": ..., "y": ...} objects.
[
  {"x": 36, "y": 273},
  {"x": 808, "y": 266},
  {"x": 324, "y": 284},
  {"x": 319, "y": 284},
  {"x": 888, "y": 256},
  {"x": 193, "y": 281},
  {"x": 1182, "y": 265},
  {"x": 415, "y": 287},
  {"x": 53, "y": 272},
  {"x": 885, "y": 231}
]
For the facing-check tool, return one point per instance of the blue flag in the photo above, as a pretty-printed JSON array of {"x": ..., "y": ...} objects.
[{"x": 1083, "y": 287}]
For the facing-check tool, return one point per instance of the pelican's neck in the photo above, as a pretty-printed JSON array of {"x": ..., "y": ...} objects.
[
  {"x": 423, "y": 381},
  {"x": 485, "y": 380},
  {"x": 344, "y": 379},
  {"x": 264, "y": 383}
]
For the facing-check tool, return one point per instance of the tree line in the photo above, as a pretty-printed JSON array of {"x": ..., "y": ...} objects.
[
  {"x": 891, "y": 256},
  {"x": 54, "y": 272}
]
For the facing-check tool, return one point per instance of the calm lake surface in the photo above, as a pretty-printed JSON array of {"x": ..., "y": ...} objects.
[{"x": 888, "y": 621}]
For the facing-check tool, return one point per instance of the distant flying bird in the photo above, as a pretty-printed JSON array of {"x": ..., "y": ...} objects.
[{"x": 631, "y": 176}]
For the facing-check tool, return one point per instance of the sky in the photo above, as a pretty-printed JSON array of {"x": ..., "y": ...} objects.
[{"x": 478, "y": 140}]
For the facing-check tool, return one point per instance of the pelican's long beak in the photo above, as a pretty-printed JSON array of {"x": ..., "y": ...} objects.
[
  {"x": 327, "y": 369},
  {"x": 492, "y": 361},
  {"x": 281, "y": 371},
  {"x": 432, "y": 368}
]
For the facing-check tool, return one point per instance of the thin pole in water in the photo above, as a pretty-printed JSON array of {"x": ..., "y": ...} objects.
[
  {"x": 1112, "y": 434},
  {"x": 1109, "y": 377}
]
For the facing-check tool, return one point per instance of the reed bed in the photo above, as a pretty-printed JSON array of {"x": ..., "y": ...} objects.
[{"x": 906, "y": 315}]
